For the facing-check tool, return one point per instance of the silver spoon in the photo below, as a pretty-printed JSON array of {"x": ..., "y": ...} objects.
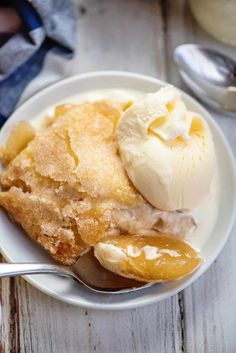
[
  {"x": 210, "y": 74},
  {"x": 87, "y": 271}
]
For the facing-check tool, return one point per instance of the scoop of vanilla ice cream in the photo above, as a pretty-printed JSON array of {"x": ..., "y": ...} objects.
[{"x": 167, "y": 151}]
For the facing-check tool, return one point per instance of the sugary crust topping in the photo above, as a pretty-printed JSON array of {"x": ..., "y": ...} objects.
[{"x": 68, "y": 188}]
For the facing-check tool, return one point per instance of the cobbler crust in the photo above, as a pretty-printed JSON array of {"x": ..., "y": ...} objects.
[{"x": 68, "y": 188}]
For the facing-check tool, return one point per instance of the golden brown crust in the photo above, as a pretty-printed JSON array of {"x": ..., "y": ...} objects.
[
  {"x": 62, "y": 187},
  {"x": 68, "y": 188},
  {"x": 44, "y": 222}
]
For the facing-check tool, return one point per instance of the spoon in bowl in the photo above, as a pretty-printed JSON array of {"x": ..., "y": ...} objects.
[
  {"x": 210, "y": 74},
  {"x": 87, "y": 271}
]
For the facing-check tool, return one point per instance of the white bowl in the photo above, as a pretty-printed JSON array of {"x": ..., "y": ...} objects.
[{"x": 17, "y": 247}]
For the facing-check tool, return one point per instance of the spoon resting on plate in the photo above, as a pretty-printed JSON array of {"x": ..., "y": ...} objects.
[
  {"x": 87, "y": 271},
  {"x": 123, "y": 264},
  {"x": 210, "y": 74}
]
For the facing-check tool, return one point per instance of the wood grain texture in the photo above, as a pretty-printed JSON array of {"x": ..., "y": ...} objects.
[
  {"x": 209, "y": 304},
  {"x": 51, "y": 326},
  {"x": 134, "y": 35}
]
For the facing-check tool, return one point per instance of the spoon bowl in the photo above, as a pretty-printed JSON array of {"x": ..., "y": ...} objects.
[
  {"x": 210, "y": 74},
  {"x": 87, "y": 271}
]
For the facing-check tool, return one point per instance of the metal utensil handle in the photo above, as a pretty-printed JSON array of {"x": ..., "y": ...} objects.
[{"x": 9, "y": 270}]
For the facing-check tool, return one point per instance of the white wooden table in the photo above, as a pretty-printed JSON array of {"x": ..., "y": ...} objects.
[{"x": 134, "y": 35}]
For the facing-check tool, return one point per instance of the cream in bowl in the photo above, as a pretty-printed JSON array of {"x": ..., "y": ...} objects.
[{"x": 167, "y": 151}]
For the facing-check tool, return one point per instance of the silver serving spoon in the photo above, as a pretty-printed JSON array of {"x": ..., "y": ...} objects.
[
  {"x": 87, "y": 271},
  {"x": 209, "y": 74}
]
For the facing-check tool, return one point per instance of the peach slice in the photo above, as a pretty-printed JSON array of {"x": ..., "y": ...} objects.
[
  {"x": 21, "y": 134},
  {"x": 147, "y": 258}
]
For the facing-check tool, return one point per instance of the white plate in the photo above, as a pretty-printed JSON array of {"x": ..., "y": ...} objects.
[{"x": 17, "y": 247}]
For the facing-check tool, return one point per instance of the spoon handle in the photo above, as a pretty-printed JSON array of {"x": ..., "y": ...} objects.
[{"x": 10, "y": 270}]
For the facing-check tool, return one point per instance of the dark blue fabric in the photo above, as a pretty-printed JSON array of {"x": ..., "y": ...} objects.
[
  {"x": 12, "y": 87},
  {"x": 46, "y": 25},
  {"x": 4, "y": 37},
  {"x": 2, "y": 119},
  {"x": 28, "y": 14}
]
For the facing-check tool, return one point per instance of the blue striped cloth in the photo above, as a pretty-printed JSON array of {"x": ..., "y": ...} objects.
[{"x": 46, "y": 25}]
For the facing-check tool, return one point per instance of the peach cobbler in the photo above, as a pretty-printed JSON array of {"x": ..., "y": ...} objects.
[{"x": 72, "y": 185}]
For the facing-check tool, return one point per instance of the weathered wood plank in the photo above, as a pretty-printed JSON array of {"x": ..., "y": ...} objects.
[
  {"x": 51, "y": 326},
  {"x": 10, "y": 325},
  {"x": 120, "y": 35},
  {"x": 209, "y": 304}
]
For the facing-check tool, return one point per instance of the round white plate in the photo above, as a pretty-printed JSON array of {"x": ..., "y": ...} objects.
[{"x": 17, "y": 247}]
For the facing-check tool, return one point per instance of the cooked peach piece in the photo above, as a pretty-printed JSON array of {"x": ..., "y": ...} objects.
[
  {"x": 148, "y": 258},
  {"x": 21, "y": 134}
]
